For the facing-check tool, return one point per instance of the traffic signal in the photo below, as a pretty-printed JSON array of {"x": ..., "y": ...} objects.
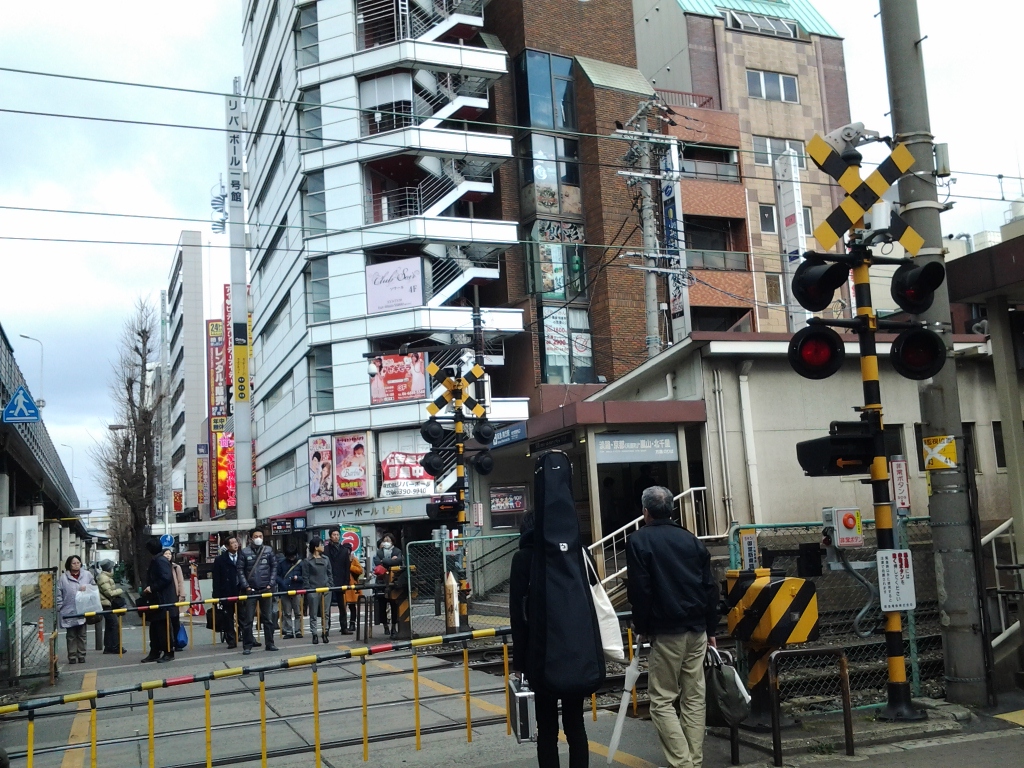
[
  {"x": 913, "y": 285},
  {"x": 848, "y": 450},
  {"x": 816, "y": 352},
  {"x": 815, "y": 282},
  {"x": 483, "y": 431},
  {"x": 482, "y": 463},
  {"x": 443, "y": 509},
  {"x": 918, "y": 353},
  {"x": 433, "y": 433}
]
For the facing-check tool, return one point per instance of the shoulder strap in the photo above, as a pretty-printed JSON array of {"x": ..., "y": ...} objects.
[{"x": 256, "y": 561}]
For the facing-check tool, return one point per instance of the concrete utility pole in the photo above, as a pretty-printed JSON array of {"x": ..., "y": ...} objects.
[
  {"x": 649, "y": 226},
  {"x": 964, "y": 643}
]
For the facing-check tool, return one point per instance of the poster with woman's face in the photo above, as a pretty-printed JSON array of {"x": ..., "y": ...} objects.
[
  {"x": 321, "y": 482},
  {"x": 351, "y": 480},
  {"x": 399, "y": 378}
]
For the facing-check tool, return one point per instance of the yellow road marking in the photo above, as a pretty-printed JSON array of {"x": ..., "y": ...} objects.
[
  {"x": 620, "y": 757},
  {"x": 75, "y": 758},
  {"x": 1017, "y": 718}
]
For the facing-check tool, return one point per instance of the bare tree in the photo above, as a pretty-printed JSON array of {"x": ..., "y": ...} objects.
[{"x": 127, "y": 456}]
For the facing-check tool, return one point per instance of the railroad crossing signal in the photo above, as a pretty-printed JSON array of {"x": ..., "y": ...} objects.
[
  {"x": 861, "y": 194},
  {"x": 455, "y": 389}
]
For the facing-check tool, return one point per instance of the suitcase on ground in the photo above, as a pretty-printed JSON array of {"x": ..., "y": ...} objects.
[{"x": 522, "y": 710}]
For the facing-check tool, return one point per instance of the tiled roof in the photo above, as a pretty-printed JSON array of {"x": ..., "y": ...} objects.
[{"x": 800, "y": 11}]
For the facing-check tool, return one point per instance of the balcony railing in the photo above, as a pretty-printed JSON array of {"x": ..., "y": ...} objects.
[
  {"x": 686, "y": 100},
  {"x": 705, "y": 169},
  {"x": 406, "y": 114},
  {"x": 723, "y": 260},
  {"x": 381, "y": 22}
]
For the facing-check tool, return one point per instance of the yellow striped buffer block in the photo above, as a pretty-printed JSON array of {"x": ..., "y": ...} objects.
[{"x": 768, "y": 608}]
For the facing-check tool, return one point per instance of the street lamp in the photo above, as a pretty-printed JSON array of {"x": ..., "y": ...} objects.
[
  {"x": 72, "y": 449},
  {"x": 40, "y": 403}
]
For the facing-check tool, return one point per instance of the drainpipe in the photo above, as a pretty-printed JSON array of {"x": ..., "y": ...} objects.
[
  {"x": 670, "y": 387},
  {"x": 747, "y": 417},
  {"x": 723, "y": 447}
]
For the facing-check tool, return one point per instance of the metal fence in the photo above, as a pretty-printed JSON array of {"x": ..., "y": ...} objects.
[
  {"x": 805, "y": 685},
  {"x": 483, "y": 561},
  {"x": 28, "y": 616}
]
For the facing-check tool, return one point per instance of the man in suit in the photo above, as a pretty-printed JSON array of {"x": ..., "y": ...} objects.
[
  {"x": 160, "y": 591},
  {"x": 227, "y": 584}
]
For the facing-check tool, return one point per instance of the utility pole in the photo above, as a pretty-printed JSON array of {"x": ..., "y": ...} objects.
[
  {"x": 965, "y": 646},
  {"x": 650, "y": 234}
]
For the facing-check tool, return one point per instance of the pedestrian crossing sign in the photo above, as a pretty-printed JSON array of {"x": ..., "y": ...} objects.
[{"x": 21, "y": 408}]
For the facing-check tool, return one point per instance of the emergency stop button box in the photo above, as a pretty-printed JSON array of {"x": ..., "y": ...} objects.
[{"x": 846, "y": 525}]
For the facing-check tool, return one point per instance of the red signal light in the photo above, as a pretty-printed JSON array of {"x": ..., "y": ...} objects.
[
  {"x": 918, "y": 354},
  {"x": 816, "y": 352}
]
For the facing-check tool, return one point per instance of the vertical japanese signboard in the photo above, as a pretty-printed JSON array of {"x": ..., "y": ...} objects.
[{"x": 228, "y": 350}]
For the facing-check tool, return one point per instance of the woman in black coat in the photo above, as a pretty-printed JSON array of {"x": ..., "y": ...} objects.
[
  {"x": 546, "y": 702},
  {"x": 160, "y": 591}
]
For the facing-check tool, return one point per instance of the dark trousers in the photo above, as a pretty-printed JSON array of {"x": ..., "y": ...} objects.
[
  {"x": 572, "y": 725},
  {"x": 158, "y": 633},
  {"x": 247, "y": 615},
  {"x": 335, "y": 598},
  {"x": 111, "y": 637}
]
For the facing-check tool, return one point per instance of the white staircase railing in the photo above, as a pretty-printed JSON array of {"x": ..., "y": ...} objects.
[{"x": 1005, "y": 629}]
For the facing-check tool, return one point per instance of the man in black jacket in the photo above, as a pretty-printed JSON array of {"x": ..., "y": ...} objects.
[
  {"x": 257, "y": 573},
  {"x": 675, "y": 604},
  {"x": 159, "y": 591},
  {"x": 340, "y": 558},
  {"x": 227, "y": 584}
]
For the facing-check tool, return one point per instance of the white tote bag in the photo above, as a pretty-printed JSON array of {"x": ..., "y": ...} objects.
[{"x": 611, "y": 633}]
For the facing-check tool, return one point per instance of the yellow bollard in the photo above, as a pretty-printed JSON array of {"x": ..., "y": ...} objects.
[
  {"x": 508, "y": 704},
  {"x": 237, "y": 638},
  {"x": 191, "y": 618},
  {"x": 263, "y": 721},
  {"x": 209, "y": 735},
  {"x": 316, "y": 716},
  {"x": 30, "y": 739},
  {"x": 167, "y": 624},
  {"x": 593, "y": 705},
  {"x": 152, "y": 748},
  {"x": 280, "y": 616},
  {"x": 416, "y": 695},
  {"x": 258, "y": 622},
  {"x": 629, "y": 637},
  {"x": 465, "y": 674},
  {"x": 213, "y": 639},
  {"x": 120, "y": 642},
  {"x": 143, "y": 631},
  {"x": 366, "y": 723},
  {"x": 92, "y": 733}
]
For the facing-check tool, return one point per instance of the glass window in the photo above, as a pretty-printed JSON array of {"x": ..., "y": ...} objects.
[
  {"x": 559, "y": 270},
  {"x": 281, "y": 466},
  {"x": 307, "y": 37},
  {"x": 761, "y": 154},
  {"x": 789, "y": 90},
  {"x": 767, "y": 217},
  {"x": 772, "y": 86},
  {"x": 272, "y": 246},
  {"x": 808, "y": 223},
  {"x": 318, "y": 304},
  {"x": 997, "y": 437},
  {"x": 767, "y": 150},
  {"x": 281, "y": 390},
  {"x": 310, "y": 121},
  {"x": 568, "y": 350},
  {"x": 551, "y": 177},
  {"x": 545, "y": 92},
  {"x": 314, "y": 205},
  {"x": 773, "y": 283},
  {"x": 321, "y": 379},
  {"x": 281, "y": 316},
  {"x": 754, "y": 89},
  {"x": 538, "y": 78}
]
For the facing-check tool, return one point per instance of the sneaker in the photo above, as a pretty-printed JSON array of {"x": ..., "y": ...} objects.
[
  {"x": 246, "y": 651},
  {"x": 150, "y": 657},
  {"x": 165, "y": 658}
]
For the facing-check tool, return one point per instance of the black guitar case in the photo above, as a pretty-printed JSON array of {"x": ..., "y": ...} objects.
[{"x": 566, "y": 655}]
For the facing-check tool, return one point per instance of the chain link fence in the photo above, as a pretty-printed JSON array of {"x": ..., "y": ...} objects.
[
  {"x": 28, "y": 615},
  {"x": 483, "y": 561},
  {"x": 812, "y": 685}
]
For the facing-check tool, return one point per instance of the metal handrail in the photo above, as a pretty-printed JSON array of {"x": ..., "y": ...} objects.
[
  {"x": 1005, "y": 528},
  {"x": 708, "y": 169},
  {"x": 989, "y": 537},
  {"x": 686, "y": 99},
  {"x": 719, "y": 260}
]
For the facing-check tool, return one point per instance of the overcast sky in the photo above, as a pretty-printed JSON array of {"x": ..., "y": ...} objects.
[{"x": 74, "y": 297}]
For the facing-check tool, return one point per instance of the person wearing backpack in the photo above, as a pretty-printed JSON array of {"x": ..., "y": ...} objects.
[
  {"x": 289, "y": 578},
  {"x": 675, "y": 605}
]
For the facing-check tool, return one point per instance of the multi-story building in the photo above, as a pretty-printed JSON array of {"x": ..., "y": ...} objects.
[
  {"x": 184, "y": 382},
  {"x": 750, "y": 80}
]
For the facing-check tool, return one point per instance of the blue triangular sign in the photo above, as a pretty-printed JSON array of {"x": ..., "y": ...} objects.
[{"x": 21, "y": 409}]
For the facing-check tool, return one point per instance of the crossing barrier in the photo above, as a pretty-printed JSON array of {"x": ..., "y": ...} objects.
[{"x": 31, "y": 707}]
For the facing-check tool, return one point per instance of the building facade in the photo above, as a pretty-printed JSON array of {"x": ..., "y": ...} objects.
[{"x": 184, "y": 382}]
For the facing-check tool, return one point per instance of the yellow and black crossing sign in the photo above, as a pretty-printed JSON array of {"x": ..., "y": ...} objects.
[
  {"x": 455, "y": 390},
  {"x": 862, "y": 194},
  {"x": 767, "y": 608}
]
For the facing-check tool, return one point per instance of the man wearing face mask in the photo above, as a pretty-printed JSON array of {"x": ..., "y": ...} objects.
[
  {"x": 257, "y": 571},
  {"x": 387, "y": 557}
]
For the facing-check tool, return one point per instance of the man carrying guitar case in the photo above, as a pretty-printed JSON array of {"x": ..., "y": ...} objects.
[{"x": 555, "y": 633}]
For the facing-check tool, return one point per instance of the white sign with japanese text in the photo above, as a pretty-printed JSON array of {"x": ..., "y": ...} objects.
[
  {"x": 748, "y": 548},
  {"x": 900, "y": 484},
  {"x": 896, "y": 580},
  {"x": 617, "y": 448}
]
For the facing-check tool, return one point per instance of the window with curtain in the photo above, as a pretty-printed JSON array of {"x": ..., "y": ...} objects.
[{"x": 568, "y": 348}]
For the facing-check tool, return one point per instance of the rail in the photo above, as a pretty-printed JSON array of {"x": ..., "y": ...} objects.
[
  {"x": 706, "y": 169},
  {"x": 1013, "y": 568},
  {"x": 686, "y": 99},
  {"x": 735, "y": 261}
]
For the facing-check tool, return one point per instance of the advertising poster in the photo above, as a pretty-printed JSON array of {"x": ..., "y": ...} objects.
[
  {"x": 399, "y": 378},
  {"x": 508, "y": 505},
  {"x": 179, "y": 496},
  {"x": 394, "y": 285},
  {"x": 353, "y": 536},
  {"x": 228, "y": 370},
  {"x": 202, "y": 478},
  {"x": 216, "y": 367},
  {"x": 225, "y": 471},
  {"x": 321, "y": 476},
  {"x": 556, "y": 332},
  {"x": 403, "y": 476},
  {"x": 350, "y": 470}
]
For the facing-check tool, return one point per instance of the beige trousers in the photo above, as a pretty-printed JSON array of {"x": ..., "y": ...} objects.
[{"x": 676, "y": 690}]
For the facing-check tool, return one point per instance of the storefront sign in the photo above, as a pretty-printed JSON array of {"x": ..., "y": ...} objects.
[
  {"x": 508, "y": 505},
  {"x": 618, "y": 448},
  {"x": 202, "y": 478},
  {"x": 225, "y": 471},
  {"x": 513, "y": 433},
  {"x": 353, "y": 536},
  {"x": 281, "y": 526},
  {"x": 399, "y": 378},
  {"x": 178, "y": 495},
  {"x": 394, "y": 285},
  {"x": 369, "y": 512},
  {"x": 350, "y": 476},
  {"x": 546, "y": 443},
  {"x": 216, "y": 370},
  {"x": 403, "y": 476},
  {"x": 321, "y": 478},
  {"x": 212, "y": 548}
]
